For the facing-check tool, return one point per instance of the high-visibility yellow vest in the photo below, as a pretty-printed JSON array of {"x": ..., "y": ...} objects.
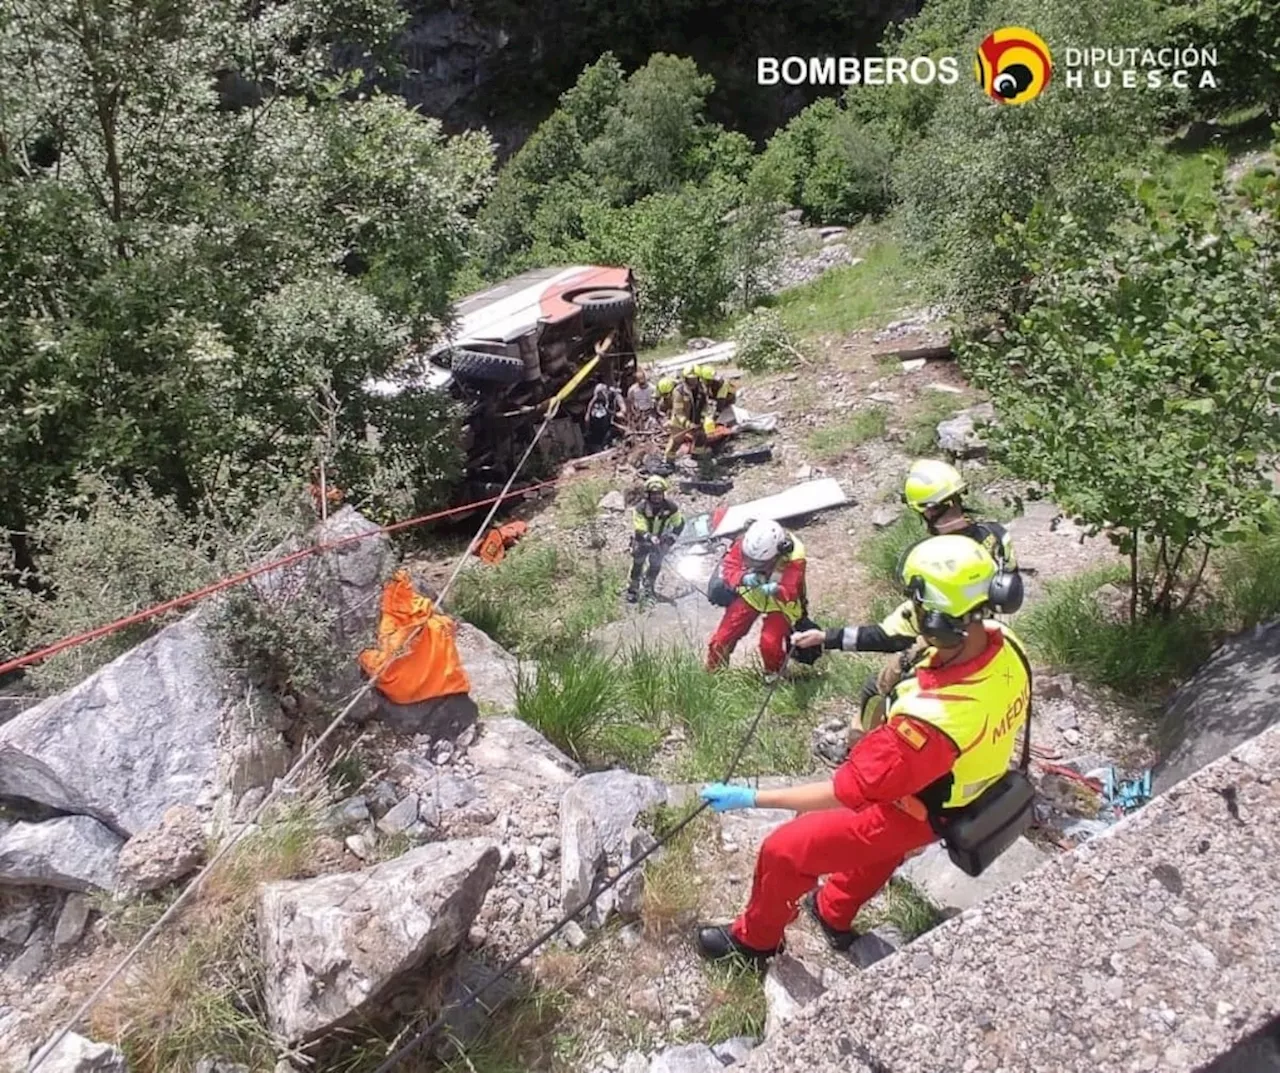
[
  {"x": 981, "y": 713},
  {"x": 667, "y": 517},
  {"x": 793, "y": 609}
]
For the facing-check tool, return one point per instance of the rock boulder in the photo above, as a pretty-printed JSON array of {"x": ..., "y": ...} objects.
[
  {"x": 491, "y": 669},
  {"x": 75, "y": 1054},
  {"x": 335, "y": 946},
  {"x": 71, "y": 853},
  {"x": 595, "y": 814},
  {"x": 1232, "y": 697},
  {"x": 135, "y": 737},
  {"x": 159, "y": 856}
]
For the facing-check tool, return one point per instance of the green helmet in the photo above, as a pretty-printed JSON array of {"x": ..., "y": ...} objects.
[
  {"x": 929, "y": 483},
  {"x": 948, "y": 574}
]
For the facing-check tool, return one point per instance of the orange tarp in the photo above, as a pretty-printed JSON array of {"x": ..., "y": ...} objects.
[
  {"x": 430, "y": 666},
  {"x": 497, "y": 540}
]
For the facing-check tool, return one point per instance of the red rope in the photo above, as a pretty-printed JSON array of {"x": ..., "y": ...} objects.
[{"x": 229, "y": 582}]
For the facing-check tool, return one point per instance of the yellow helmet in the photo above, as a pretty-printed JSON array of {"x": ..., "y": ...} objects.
[
  {"x": 705, "y": 372},
  {"x": 689, "y": 372},
  {"x": 657, "y": 484},
  {"x": 948, "y": 574},
  {"x": 929, "y": 483},
  {"x": 666, "y": 386}
]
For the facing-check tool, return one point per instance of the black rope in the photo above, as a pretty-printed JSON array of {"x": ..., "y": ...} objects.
[{"x": 597, "y": 889}]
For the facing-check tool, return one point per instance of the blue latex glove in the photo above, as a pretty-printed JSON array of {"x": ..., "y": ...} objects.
[
  {"x": 752, "y": 580},
  {"x": 770, "y": 589},
  {"x": 722, "y": 797}
]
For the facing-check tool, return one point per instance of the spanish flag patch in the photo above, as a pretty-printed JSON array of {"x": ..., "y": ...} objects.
[{"x": 910, "y": 733}]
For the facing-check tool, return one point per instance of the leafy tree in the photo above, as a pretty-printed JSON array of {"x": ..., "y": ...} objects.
[
  {"x": 677, "y": 244},
  {"x": 189, "y": 272},
  {"x": 613, "y": 141},
  {"x": 1246, "y": 36},
  {"x": 1142, "y": 386},
  {"x": 651, "y": 134},
  {"x": 968, "y": 168}
]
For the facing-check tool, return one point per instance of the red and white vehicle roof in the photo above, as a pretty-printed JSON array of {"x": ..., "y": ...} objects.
[
  {"x": 511, "y": 309},
  {"x": 508, "y": 311}
]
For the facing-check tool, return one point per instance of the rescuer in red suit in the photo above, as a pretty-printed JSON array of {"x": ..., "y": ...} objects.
[{"x": 948, "y": 736}]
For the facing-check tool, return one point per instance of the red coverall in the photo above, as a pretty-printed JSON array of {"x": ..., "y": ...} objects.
[
  {"x": 860, "y": 846},
  {"x": 775, "y": 630}
]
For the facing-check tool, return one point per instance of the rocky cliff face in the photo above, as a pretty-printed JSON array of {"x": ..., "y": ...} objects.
[{"x": 502, "y": 64}]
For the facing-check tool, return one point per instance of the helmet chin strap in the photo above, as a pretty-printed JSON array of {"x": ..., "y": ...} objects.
[{"x": 954, "y": 525}]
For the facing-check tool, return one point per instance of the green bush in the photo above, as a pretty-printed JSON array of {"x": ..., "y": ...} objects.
[
  {"x": 109, "y": 553},
  {"x": 1249, "y": 580},
  {"x": 1141, "y": 385},
  {"x": 826, "y": 161},
  {"x": 972, "y": 169},
  {"x": 1246, "y": 36},
  {"x": 764, "y": 344},
  {"x": 677, "y": 245},
  {"x": 651, "y": 136}
]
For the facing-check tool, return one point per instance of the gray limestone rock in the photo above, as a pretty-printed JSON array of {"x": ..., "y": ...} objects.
[
  {"x": 70, "y": 853},
  {"x": 789, "y": 985},
  {"x": 595, "y": 814},
  {"x": 75, "y": 1054},
  {"x": 1233, "y": 696},
  {"x": 162, "y": 855},
  {"x": 691, "y": 1058},
  {"x": 734, "y": 1051},
  {"x": 933, "y": 874},
  {"x": 72, "y": 920},
  {"x": 491, "y": 669},
  {"x": 334, "y": 946}
]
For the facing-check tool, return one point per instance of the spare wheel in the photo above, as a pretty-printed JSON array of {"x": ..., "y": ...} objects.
[
  {"x": 605, "y": 306},
  {"x": 497, "y": 368}
]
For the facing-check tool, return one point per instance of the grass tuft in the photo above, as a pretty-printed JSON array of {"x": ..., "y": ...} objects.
[
  {"x": 738, "y": 1005},
  {"x": 512, "y": 600},
  {"x": 570, "y": 700},
  {"x": 1249, "y": 580},
  {"x": 672, "y": 895},
  {"x": 1069, "y": 628},
  {"x": 621, "y": 709},
  {"x": 850, "y": 297},
  {"x": 862, "y": 426},
  {"x": 905, "y": 908},
  {"x": 198, "y": 991},
  {"x": 578, "y": 502},
  {"x": 926, "y": 414},
  {"x": 880, "y": 553}
]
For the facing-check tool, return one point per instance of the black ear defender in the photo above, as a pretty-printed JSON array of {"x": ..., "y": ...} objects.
[
  {"x": 1005, "y": 592},
  {"x": 787, "y": 546}
]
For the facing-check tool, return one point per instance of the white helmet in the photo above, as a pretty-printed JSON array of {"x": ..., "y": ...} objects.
[{"x": 763, "y": 541}]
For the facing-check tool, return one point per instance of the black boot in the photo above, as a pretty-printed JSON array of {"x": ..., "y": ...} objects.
[
  {"x": 836, "y": 939},
  {"x": 715, "y": 943},
  {"x": 632, "y": 596}
]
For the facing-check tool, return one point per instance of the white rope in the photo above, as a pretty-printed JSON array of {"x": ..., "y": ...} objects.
[{"x": 281, "y": 784}]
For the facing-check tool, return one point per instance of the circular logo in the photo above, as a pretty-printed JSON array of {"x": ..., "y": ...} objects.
[{"x": 1013, "y": 65}]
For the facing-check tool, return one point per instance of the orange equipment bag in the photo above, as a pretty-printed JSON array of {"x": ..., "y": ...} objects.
[
  {"x": 498, "y": 539},
  {"x": 431, "y": 667}
]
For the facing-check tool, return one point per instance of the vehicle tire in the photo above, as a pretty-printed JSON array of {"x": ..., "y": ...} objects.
[
  {"x": 605, "y": 307},
  {"x": 496, "y": 368}
]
